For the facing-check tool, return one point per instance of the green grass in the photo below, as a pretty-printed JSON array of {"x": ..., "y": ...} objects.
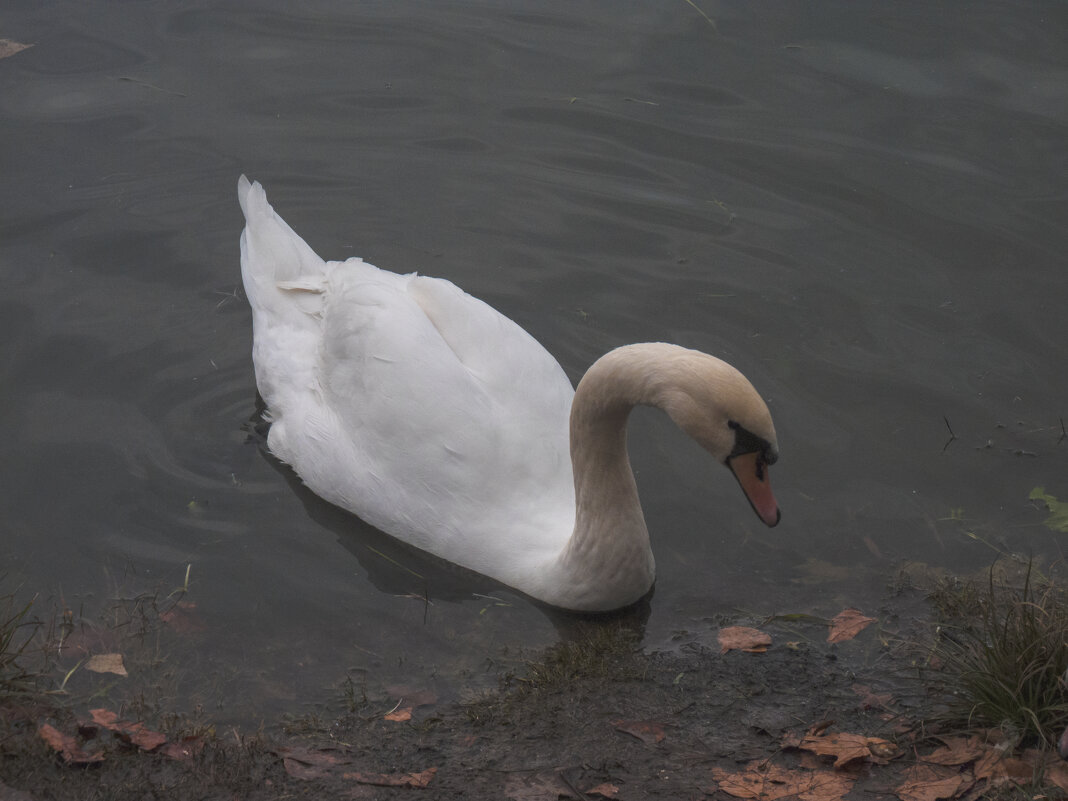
[
  {"x": 16, "y": 633},
  {"x": 1004, "y": 650}
]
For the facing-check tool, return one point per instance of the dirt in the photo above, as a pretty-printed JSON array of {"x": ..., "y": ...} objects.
[{"x": 593, "y": 718}]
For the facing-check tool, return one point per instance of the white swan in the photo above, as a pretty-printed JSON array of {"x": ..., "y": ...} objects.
[{"x": 443, "y": 423}]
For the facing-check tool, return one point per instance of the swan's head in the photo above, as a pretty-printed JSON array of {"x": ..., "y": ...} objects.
[{"x": 717, "y": 406}]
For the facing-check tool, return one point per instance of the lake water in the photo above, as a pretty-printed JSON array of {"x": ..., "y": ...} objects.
[{"x": 863, "y": 206}]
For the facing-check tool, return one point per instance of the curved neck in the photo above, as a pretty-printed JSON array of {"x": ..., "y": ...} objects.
[{"x": 609, "y": 549}]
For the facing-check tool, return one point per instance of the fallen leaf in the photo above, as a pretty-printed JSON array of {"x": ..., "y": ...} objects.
[
  {"x": 605, "y": 790},
  {"x": 956, "y": 751},
  {"x": 743, "y": 638},
  {"x": 931, "y": 782},
  {"x": 845, "y": 747},
  {"x": 67, "y": 746},
  {"x": 307, "y": 763},
  {"x": 847, "y": 624},
  {"x": 646, "y": 731},
  {"x": 128, "y": 731},
  {"x": 421, "y": 779},
  {"x": 9, "y": 47},
  {"x": 400, "y": 715},
  {"x": 106, "y": 663},
  {"x": 767, "y": 782},
  {"x": 1058, "y": 518},
  {"x": 183, "y": 618},
  {"x": 1057, "y": 773}
]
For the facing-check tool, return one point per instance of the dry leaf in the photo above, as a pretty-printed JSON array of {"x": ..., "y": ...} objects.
[
  {"x": 183, "y": 618},
  {"x": 132, "y": 733},
  {"x": 644, "y": 730},
  {"x": 845, "y": 747},
  {"x": 421, "y": 779},
  {"x": 767, "y": 782},
  {"x": 743, "y": 638},
  {"x": 931, "y": 782},
  {"x": 847, "y": 624},
  {"x": 956, "y": 751},
  {"x": 9, "y": 47},
  {"x": 400, "y": 715},
  {"x": 68, "y": 746},
  {"x": 307, "y": 763},
  {"x": 106, "y": 663},
  {"x": 605, "y": 790}
]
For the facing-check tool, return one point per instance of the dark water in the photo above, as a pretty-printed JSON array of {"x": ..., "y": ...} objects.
[{"x": 863, "y": 206}]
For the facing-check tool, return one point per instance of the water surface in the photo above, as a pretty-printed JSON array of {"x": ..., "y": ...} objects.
[{"x": 861, "y": 206}]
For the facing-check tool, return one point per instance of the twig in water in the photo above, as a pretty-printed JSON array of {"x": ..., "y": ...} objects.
[{"x": 952, "y": 436}]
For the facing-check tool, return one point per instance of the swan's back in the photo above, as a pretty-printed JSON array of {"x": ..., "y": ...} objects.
[{"x": 408, "y": 402}]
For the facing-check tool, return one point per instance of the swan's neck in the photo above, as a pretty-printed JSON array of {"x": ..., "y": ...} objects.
[{"x": 608, "y": 559}]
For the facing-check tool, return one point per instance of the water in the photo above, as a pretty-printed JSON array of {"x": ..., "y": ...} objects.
[{"x": 861, "y": 206}]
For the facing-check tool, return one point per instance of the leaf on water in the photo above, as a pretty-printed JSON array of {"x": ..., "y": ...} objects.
[
  {"x": 957, "y": 751},
  {"x": 645, "y": 730},
  {"x": 416, "y": 780},
  {"x": 847, "y": 624},
  {"x": 743, "y": 638},
  {"x": 766, "y": 782},
  {"x": 932, "y": 782},
  {"x": 400, "y": 715},
  {"x": 106, "y": 663},
  {"x": 183, "y": 618},
  {"x": 1058, "y": 518},
  {"x": 133, "y": 733},
  {"x": 845, "y": 747},
  {"x": 67, "y": 746},
  {"x": 9, "y": 47}
]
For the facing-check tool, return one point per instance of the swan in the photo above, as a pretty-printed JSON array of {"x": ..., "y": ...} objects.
[{"x": 441, "y": 422}]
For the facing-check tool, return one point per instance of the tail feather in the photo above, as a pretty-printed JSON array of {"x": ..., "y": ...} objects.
[{"x": 275, "y": 260}]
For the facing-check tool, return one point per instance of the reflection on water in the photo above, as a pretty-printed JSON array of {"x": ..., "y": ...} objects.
[{"x": 863, "y": 213}]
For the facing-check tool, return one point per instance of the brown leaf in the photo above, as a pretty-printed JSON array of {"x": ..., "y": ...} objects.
[
  {"x": 421, "y": 779},
  {"x": 847, "y": 624},
  {"x": 743, "y": 638},
  {"x": 605, "y": 790},
  {"x": 67, "y": 746},
  {"x": 767, "y": 782},
  {"x": 9, "y": 47},
  {"x": 845, "y": 747},
  {"x": 931, "y": 782},
  {"x": 183, "y": 618},
  {"x": 645, "y": 730},
  {"x": 106, "y": 663},
  {"x": 400, "y": 715},
  {"x": 307, "y": 763},
  {"x": 128, "y": 731},
  {"x": 1057, "y": 773},
  {"x": 998, "y": 769},
  {"x": 956, "y": 751}
]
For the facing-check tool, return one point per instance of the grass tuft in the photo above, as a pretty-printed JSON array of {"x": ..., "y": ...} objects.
[{"x": 1005, "y": 651}]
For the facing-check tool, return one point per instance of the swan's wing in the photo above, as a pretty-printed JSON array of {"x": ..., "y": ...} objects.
[{"x": 456, "y": 417}]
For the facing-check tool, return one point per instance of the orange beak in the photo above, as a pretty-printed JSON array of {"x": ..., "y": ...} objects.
[{"x": 752, "y": 473}]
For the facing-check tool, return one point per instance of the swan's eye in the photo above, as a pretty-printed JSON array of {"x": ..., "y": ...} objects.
[{"x": 745, "y": 441}]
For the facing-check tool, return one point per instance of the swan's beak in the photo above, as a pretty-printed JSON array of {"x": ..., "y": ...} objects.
[{"x": 752, "y": 473}]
